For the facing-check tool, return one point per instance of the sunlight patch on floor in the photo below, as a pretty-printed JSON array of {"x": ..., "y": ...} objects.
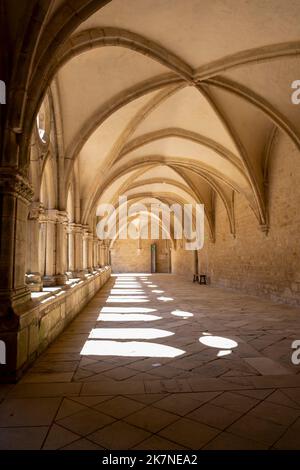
[
  {"x": 128, "y": 333},
  {"x": 128, "y": 349}
]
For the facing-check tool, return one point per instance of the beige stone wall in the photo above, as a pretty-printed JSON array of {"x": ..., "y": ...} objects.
[
  {"x": 254, "y": 262},
  {"x": 125, "y": 256},
  {"x": 182, "y": 262}
]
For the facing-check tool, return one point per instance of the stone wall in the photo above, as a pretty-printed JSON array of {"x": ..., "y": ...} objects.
[
  {"x": 182, "y": 262},
  {"x": 37, "y": 324},
  {"x": 127, "y": 257},
  {"x": 256, "y": 263}
]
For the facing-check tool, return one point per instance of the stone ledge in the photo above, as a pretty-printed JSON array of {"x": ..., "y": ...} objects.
[{"x": 35, "y": 324}]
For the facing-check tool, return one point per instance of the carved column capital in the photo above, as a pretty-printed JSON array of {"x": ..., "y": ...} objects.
[
  {"x": 36, "y": 210},
  {"x": 15, "y": 183}
]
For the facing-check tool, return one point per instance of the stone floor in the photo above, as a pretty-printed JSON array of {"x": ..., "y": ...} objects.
[{"x": 157, "y": 362}]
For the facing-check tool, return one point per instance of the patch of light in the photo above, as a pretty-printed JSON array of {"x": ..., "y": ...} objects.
[
  {"x": 218, "y": 342},
  {"x": 182, "y": 313},
  {"x": 153, "y": 285},
  {"x": 106, "y": 309},
  {"x": 224, "y": 353},
  {"x": 48, "y": 299},
  {"x": 128, "y": 333},
  {"x": 130, "y": 278},
  {"x": 127, "y": 317},
  {"x": 165, "y": 299},
  {"x": 156, "y": 291},
  {"x": 36, "y": 295},
  {"x": 137, "y": 299},
  {"x": 126, "y": 291},
  {"x": 128, "y": 349},
  {"x": 127, "y": 286}
]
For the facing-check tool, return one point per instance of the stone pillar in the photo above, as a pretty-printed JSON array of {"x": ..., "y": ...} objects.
[
  {"x": 106, "y": 253},
  {"x": 95, "y": 252},
  {"x": 99, "y": 253},
  {"x": 78, "y": 252},
  {"x": 15, "y": 196},
  {"x": 55, "y": 248},
  {"x": 71, "y": 248},
  {"x": 88, "y": 249},
  {"x": 102, "y": 263},
  {"x": 90, "y": 252},
  {"x": 85, "y": 255},
  {"x": 33, "y": 273},
  {"x": 49, "y": 222},
  {"x": 61, "y": 248}
]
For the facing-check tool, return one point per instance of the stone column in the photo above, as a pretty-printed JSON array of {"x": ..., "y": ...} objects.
[
  {"x": 15, "y": 196},
  {"x": 71, "y": 248},
  {"x": 33, "y": 273},
  {"x": 85, "y": 255},
  {"x": 99, "y": 253},
  {"x": 87, "y": 249},
  {"x": 95, "y": 252},
  {"x": 90, "y": 252},
  {"x": 55, "y": 248},
  {"x": 78, "y": 252},
  {"x": 61, "y": 248},
  {"x": 106, "y": 253},
  {"x": 102, "y": 263},
  {"x": 49, "y": 222},
  {"x": 42, "y": 244}
]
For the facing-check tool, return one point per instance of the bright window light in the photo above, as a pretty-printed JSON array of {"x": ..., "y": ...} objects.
[
  {"x": 127, "y": 286},
  {"x": 128, "y": 333},
  {"x": 127, "y": 317},
  {"x": 106, "y": 309},
  {"x": 129, "y": 349},
  {"x": 127, "y": 278},
  {"x": 126, "y": 291},
  {"x": 127, "y": 283},
  {"x": 128, "y": 299},
  {"x": 165, "y": 299},
  {"x": 224, "y": 353},
  {"x": 218, "y": 342},
  {"x": 182, "y": 313}
]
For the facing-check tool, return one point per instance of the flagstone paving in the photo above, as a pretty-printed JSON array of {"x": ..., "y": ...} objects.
[{"x": 191, "y": 367}]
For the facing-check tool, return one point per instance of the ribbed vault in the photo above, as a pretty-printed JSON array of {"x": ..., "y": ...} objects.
[{"x": 175, "y": 101}]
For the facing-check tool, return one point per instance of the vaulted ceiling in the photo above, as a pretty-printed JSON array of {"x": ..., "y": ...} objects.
[{"x": 178, "y": 100}]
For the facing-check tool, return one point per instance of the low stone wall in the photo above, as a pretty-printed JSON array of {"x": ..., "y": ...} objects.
[{"x": 32, "y": 327}]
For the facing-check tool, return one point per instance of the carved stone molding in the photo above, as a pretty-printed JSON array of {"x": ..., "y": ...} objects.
[
  {"x": 36, "y": 210},
  {"x": 74, "y": 228},
  {"x": 54, "y": 216},
  {"x": 14, "y": 183}
]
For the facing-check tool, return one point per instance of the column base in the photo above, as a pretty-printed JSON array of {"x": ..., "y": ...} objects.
[
  {"x": 79, "y": 274},
  {"x": 61, "y": 279},
  {"x": 55, "y": 280},
  {"x": 11, "y": 298},
  {"x": 34, "y": 282}
]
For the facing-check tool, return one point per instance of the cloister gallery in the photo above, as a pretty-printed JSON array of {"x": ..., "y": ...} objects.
[{"x": 108, "y": 339}]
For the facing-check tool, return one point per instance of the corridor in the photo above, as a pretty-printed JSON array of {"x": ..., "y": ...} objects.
[{"x": 156, "y": 362}]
